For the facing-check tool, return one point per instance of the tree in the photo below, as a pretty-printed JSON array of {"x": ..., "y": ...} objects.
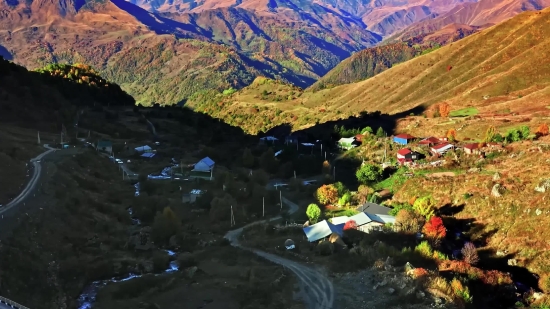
[
  {"x": 260, "y": 177},
  {"x": 542, "y": 130},
  {"x": 166, "y": 225},
  {"x": 425, "y": 206},
  {"x": 380, "y": 132},
  {"x": 469, "y": 253},
  {"x": 444, "y": 109},
  {"x": 345, "y": 199},
  {"x": 351, "y": 224},
  {"x": 409, "y": 221},
  {"x": 369, "y": 173},
  {"x": 341, "y": 188},
  {"x": 327, "y": 194},
  {"x": 248, "y": 158},
  {"x": 326, "y": 168},
  {"x": 451, "y": 135},
  {"x": 525, "y": 132},
  {"x": 268, "y": 161},
  {"x": 220, "y": 207},
  {"x": 313, "y": 212},
  {"x": 434, "y": 229},
  {"x": 363, "y": 193},
  {"x": 367, "y": 130},
  {"x": 490, "y": 134}
]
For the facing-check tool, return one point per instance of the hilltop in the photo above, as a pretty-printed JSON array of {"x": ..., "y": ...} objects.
[{"x": 502, "y": 69}]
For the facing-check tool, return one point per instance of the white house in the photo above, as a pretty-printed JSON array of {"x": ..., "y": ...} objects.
[
  {"x": 346, "y": 143},
  {"x": 442, "y": 148}
]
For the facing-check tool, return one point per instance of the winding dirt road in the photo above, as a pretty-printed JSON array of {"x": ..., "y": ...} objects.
[{"x": 317, "y": 287}]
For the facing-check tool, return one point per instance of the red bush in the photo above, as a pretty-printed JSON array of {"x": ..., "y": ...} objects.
[
  {"x": 351, "y": 224},
  {"x": 434, "y": 228},
  {"x": 449, "y": 68}
]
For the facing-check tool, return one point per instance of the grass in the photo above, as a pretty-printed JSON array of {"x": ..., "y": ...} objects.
[{"x": 465, "y": 112}]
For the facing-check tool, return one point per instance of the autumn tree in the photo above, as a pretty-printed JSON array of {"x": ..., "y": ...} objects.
[
  {"x": 327, "y": 194},
  {"x": 351, "y": 224},
  {"x": 313, "y": 212},
  {"x": 444, "y": 109},
  {"x": 425, "y": 206},
  {"x": 469, "y": 253},
  {"x": 451, "y": 135},
  {"x": 490, "y": 134},
  {"x": 248, "y": 158},
  {"x": 363, "y": 193},
  {"x": 542, "y": 130},
  {"x": 434, "y": 229},
  {"x": 165, "y": 225},
  {"x": 409, "y": 221},
  {"x": 326, "y": 168}
]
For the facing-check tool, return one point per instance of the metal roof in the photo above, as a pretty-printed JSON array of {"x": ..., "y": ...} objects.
[
  {"x": 360, "y": 218},
  {"x": 207, "y": 161},
  {"x": 143, "y": 148},
  {"x": 404, "y": 151},
  {"x": 375, "y": 209},
  {"x": 321, "y": 230},
  {"x": 382, "y": 218},
  {"x": 339, "y": 220},
  {"x": 405, "y": 136}
]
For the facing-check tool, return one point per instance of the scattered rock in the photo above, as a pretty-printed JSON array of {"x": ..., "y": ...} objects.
[
  {"x": 538, "y": 295},
  {"x": 501, "y": 253},
  {"x": 391, "y": 291},
  {"x": 513, "y": 262},
  {"x": 474, "y": 170},
  {"x": 538, "y": 212},
  {"x": 496, "y": 176},
  {"x": 383, "y": 283},
  {"x": 543, "y": 186},
  {"x": 497, "y": 190}
]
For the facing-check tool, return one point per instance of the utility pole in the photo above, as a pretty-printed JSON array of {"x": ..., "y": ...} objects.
[
  {"x": 322, "y": 150},
  {"x": 123, "y": 174},
  {"x": 38, "y": 137},
  {"x": 232, "y": 217},
  {"x": 263, "y": 206},
  {"x": 325, "y": 155},
  {"x": 334, "y": 174},
  {"x": 294, "y": 174},
  {"x": 281, "y": 198}
]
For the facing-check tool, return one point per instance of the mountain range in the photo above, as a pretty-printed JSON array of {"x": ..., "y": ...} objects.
[{"x": 170, "y": 51}]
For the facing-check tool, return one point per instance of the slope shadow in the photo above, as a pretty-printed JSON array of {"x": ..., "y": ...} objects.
[
  {"x": 5, "y": 53},
  {"x": 485, "y": 294}
]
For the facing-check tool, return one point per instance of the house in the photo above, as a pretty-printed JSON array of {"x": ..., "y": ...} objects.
[
  {"x": 105, "y": 146},
  {"x": 148, "y": 154},
  {"x": 339, "y": 220},
  {"x": 204, "y": 165},
  {"x": 347, "y": 143},
  {"x": 145, "y": 148},
  {"x": 406, "y": 154},
  {"x": 441, "y": 148},
  {"x": 192, "y": 196},
  {"x": 359, "y": 138},
  {"x": 430, "y": 141},
  {"x": 473, "y": 148},
  {"x": 372, "y": 208},
  {"x": 403, "y": 139},
  {"x": 271, "y": 139},
  {"x": 322, "y": 229}
]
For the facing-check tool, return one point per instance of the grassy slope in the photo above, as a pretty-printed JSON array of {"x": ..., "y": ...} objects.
[{"x": 503, "y": 67}]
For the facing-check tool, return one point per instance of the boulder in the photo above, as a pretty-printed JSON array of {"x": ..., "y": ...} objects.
[
  {"x": 543, "y": 186},
  {"x": 496, "y": 176},
  {"x": 497, "y": 190},
  {"x": 391, "y": 291}
]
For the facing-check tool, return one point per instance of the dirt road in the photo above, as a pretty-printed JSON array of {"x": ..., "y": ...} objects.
[{"x": 316, "y": 286}]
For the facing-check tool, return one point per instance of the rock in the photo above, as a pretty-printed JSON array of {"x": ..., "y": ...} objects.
[
  {"x": 497, "y": 190},
  {"x": 496, "y": 176},
  {"x": 538, "y": 295},
  {"x": 513, "y": 262},
  {"x": 190, "y": 272},
  {"x": 543, "y": 186},
  {"x": 383, "y": 283},
  {"x": 500, "y": 253},
  {"x": 538, "y": 212},
  {"x": 408, "y": 267},
  {"x": 391, "y": 291},
  {"x": 474, "y": 170}
]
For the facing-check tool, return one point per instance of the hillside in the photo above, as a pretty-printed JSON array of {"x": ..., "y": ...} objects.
[
  {"x": 371, "y": 61},
  {"x": 469, "y": 72},
  {"x": 479, "y": 14}
]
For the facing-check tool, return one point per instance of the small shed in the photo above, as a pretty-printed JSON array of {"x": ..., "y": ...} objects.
[
  {"x": 403, "y": 139},
  {"x": 430, "y": 141},
  {"x": 105, "y": 146}
]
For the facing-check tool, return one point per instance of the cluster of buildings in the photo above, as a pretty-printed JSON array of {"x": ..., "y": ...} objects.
[
  {"x": 437, "y": 147},
  {"x": 370, "y": 217}
]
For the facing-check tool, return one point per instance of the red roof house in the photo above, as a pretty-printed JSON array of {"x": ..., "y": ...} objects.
[
  {"x": 473, "y": 148},
  {"x": 441, "y": 148},
  {"x": 430, "y": 141},
  {"x": 406, "y": 155}
]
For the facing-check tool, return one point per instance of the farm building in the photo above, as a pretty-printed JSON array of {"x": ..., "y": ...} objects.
[
  {"x": 405, "y": 155},
  {"x": 321, "y": 230},
  {"x": 430, "y": 141},
  {"x": 441, "y": 148},
  {"x": 105, "y": 146},
  {"x": 473, "y": 148},
  {"x": 403, "y": 139},
  {"x": 204, "y": 165}
]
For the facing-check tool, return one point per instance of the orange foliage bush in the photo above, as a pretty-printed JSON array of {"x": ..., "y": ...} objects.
[
  {"x": 444, "y": 109},
  {"x": 434, "y": 228},
  {"x": 351, "y": 224},
  {"x": 327, "y": 194},
  {"x": 542, "y": 130},
  {"x": 419, "y": 273}
]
